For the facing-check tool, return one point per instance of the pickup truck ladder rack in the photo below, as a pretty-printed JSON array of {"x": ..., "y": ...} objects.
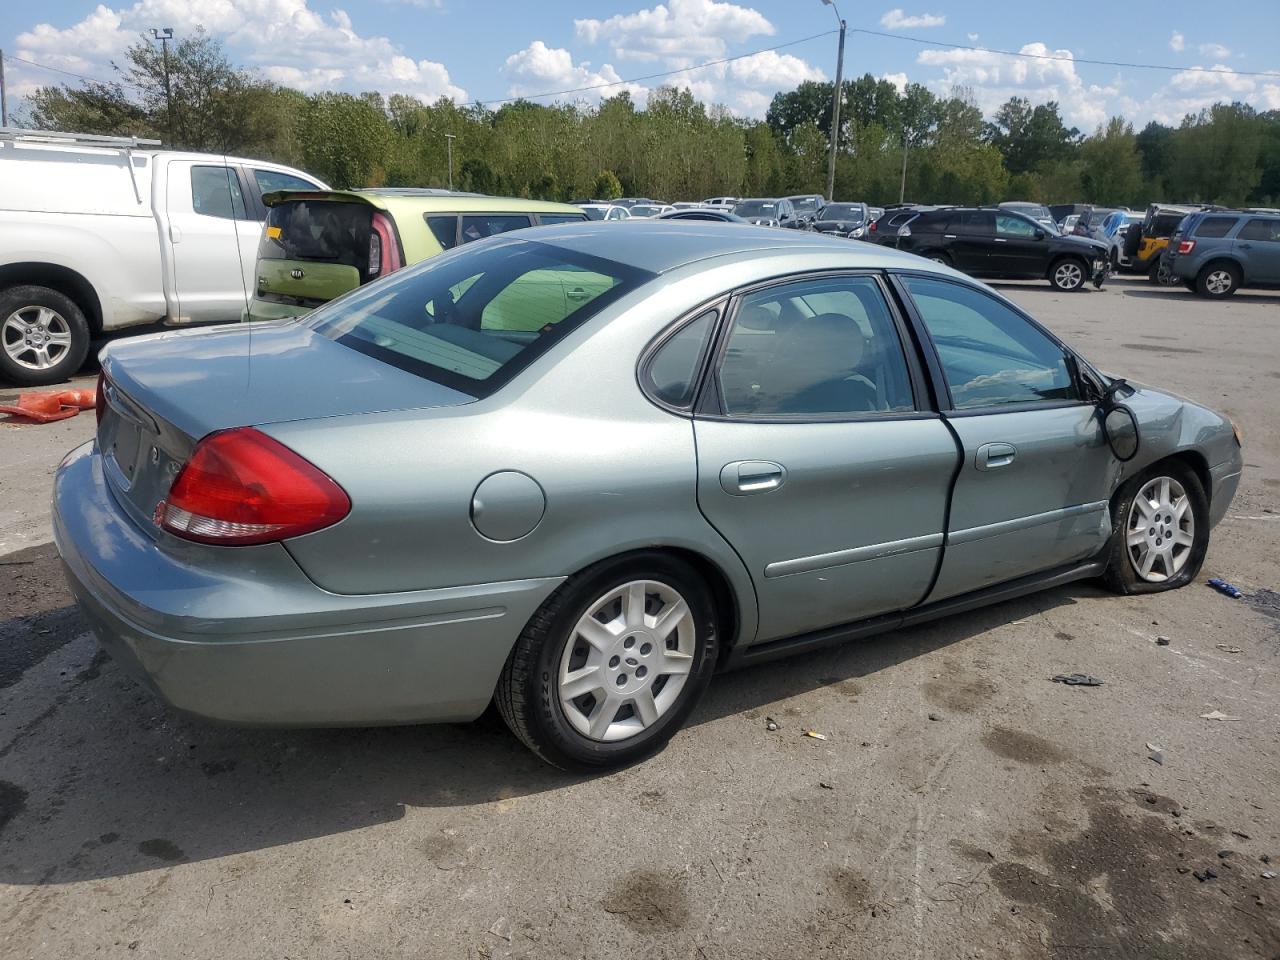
[{"x": 125, "y": 145}]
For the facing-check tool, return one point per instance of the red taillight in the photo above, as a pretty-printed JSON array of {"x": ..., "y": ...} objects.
[
  {"x": 384, "y": 252},
  {"x": 1186, "y": 246},
  {"x": 872, "y": 228},
  {"x": 100, "y": 397},
  {"x": 242, "y": 487}
]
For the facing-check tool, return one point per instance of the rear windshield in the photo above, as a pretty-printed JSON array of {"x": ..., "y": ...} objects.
[
  {"x": 842, "y": 211},
  {"x": 805, "y": 204},
  {"x": 318, "y": 230},
  {"x": 756, "y": 208},
  {"x": 474, "y": 318},
  {"x": 1165, "y": 224}
]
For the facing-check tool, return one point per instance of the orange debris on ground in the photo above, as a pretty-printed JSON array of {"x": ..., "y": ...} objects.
[{"x": 48, "y": 407}]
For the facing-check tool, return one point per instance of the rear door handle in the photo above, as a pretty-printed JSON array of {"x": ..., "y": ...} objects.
[
  {"x": 948, "y": 236},
  {"x": 1001, "y": 240},
  {"x": 743, "y": 478},
  {"x": 992, "y": 456},
  {"x": 1245, "y": 246},
  {"x": 577, "y": 293}
]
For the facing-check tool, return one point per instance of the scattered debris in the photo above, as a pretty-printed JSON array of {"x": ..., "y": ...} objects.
[
  {"x": 1156, "y": 753},
  {"x": 1182, "y": 869},
  {"x": 771, "y": 724},
  {"x": 1208, "y": 873},
  {"x": 1240, "y": 833},
  {"x": 1076, "y": 679},
  {"x": 1268, "y": 874},
  {"x": 815, "y": 735},
  {"x": 1162, "y": 641},
  {"x": 1223, "y": 854},
  {"x": 501, "y": 929},
  {"x": 1265, "y": 858},
  {"x": 1223, "y": 587},
  {"x": 935, "y": 716},
  {"x": 1216, "y": 715},
  {"x": 1227, "y": 648},
  {"x": 824, "y": 785}
]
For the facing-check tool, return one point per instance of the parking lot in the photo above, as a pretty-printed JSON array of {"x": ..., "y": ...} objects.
[{"x": 961, "y": 805}]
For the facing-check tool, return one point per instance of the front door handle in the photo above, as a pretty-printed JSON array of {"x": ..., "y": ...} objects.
[
  {"x": 1245, "y": 246},
  {"x": 1001, "y": 240},
  {"x": 577, "y": 294},
  {"x": 745, "y": 477},
  {"x": 991, "y": 456}
]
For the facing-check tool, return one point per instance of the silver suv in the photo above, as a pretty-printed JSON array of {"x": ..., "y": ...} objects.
[{"x": 1215, "y": 253}]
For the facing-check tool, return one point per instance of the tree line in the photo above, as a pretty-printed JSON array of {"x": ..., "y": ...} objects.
[{"x": 892, "y": 141}]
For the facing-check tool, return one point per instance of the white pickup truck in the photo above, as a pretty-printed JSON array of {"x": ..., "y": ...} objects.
[{"x": 100, "y": 233}]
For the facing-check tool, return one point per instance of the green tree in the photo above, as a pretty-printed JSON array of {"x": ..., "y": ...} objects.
[
  {"x": 1216, "y": 155},
  {"x": 1029, "y": 136},
  {"x": 1111, "y": 166},
  {"x": 344, "y": 139},
  {"x": 606, "y": 186}
]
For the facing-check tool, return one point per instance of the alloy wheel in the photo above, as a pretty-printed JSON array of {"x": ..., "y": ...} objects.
[
  {"x": 1160, "y": 531},
  {"x": 1218, "y": 282},
  {"x": 627, "y": 660},
  {"x": 36, "y": 337},
  {"x": 1068, "y": 275}
]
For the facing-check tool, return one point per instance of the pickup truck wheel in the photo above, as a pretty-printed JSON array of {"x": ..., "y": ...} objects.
[
  {"x": 1068, "y": 273},
  {"x": 44, "y": 336}
]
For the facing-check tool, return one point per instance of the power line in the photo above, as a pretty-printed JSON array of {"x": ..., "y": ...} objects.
[
  {"x": 651, "y": 76},
  {"x": 1045, "y": 56},
  {"x": 78, "y": 76}
]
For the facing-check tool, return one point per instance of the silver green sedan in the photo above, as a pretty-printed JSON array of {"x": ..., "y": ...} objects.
[{"x": 578, "y": 470}]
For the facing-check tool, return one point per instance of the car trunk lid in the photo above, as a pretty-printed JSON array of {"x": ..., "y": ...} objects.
[
  {"x": 164, "y": 392},
  {"x": 315, "y": 248}
]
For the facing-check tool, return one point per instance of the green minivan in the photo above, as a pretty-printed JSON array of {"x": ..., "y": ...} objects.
[{"x": 319, "y": 244}]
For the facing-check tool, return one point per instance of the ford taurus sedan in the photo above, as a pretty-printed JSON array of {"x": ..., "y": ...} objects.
[{"x": 577, "y": 470}]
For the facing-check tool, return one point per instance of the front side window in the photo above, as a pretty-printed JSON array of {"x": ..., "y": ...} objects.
[
  {"x": 474, "y": 319},
  {"x": 1262, "y": 229},
  {"x": 815, "y": 348},
  {"x": 1215, "y": 226},
  {"x": 990, "y": 354},
  {"x": 477, "y": 226},
  {"x": 215, "y": 192},
  {"x": 1009, "y": 226}
]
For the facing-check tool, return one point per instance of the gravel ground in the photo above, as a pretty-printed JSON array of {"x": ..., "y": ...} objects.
[{"x": 962, "y": 805}]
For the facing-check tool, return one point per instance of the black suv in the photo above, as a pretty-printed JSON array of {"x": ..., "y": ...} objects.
[{"x": 1000, "y": 243}]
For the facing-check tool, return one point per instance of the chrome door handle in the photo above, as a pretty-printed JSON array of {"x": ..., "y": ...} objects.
[
  {"x": 1001, "y": 240},
  {"x": 994, "y": 455},
  {"x": 745, "y": 477},
  {"x": 948, "y": 236},
  {"x": 1245, "y": 246},
  {"x": 577, "y": 293}
]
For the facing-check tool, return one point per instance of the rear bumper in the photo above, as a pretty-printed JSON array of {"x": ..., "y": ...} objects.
[{"x": 241, "y": 635}]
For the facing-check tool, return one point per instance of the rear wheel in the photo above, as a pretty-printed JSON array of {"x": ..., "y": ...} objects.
[
  {"x": 1068, "y": 273},
  {"x": 44, "y": 336},
  {"x": 608, "y": 669},
  {"x": 1218, "y": 280},
  {"x": 1160, "y": 530},
  {"x": 937, "y": 256},
  {"x": 1161, "y": 274}
]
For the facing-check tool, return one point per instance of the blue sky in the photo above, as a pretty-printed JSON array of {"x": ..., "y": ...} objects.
[{"x": 490, "y": 49}]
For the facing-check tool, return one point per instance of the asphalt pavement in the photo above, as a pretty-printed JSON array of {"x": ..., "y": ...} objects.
[{"x": 961, "y": 806}]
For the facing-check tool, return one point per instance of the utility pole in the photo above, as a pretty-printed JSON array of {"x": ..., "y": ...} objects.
[
  {"x": 164, "y": 35},
  {"x": 835, "y": 108},
  {"x": 902, "y": 190},
  {"x": 4, "y": 99},
  {"x": 449, "y": 138}
]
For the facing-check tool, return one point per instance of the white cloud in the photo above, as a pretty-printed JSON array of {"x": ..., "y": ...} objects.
[
  {"x": 897, "y": 19},
  {"x": 973, "y": 37},
  {"x": 1177, "y": 42},
  {"x": 681, "y": 32},
  {"x": 285, "y": 39},
  {"x": 995, "y": 78},
  {"x": 899, "y": 80},
  {"x": 541, "y": 69},
  {"x": 1214, "y": 50}
]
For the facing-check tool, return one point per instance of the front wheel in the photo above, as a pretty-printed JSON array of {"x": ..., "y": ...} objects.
[
  {"x": 608, "y": 669},
  {"x": 1159, "y": 531},
  {"x": 1068, "y": 274},
  {"x": 44, "y": 336}
]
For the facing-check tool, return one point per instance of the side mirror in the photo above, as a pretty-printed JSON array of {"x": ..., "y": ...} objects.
[
  {"x": 1040, "y": 234},
  {"x": 1119, "y": 424}
]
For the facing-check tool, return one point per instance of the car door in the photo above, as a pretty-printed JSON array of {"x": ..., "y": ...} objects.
[
  {"x": 1032, "y": 490},
  {"x": 1258, "y": 244},
  {"x": 968, "y": 240},
  {"x": 818, "y": 458},
  {"x": 215, "y": 240},
  {"x": 1016, "y": 251}
]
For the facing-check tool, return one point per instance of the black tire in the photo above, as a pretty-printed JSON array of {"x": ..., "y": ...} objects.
[
  {"x": 1160, "y": 274},
  {"x": 1121, "y": 575},
  {"x": 23, "y": 304},
  {"x": 1190, "y": 285},
  {"x": 937, "y": 256},
  {"x": 528, "y": 697},
  {"x": 1068, "y": 281},
  {"x": 1218, "y": 280}
]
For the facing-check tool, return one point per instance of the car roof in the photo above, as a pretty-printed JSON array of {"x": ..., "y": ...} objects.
[{"x": 659, "y": 246}]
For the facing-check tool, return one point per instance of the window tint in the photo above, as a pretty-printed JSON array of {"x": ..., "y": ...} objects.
[
  {"x": 215, "y": 192},
  {"x": 548, "y": 218},
  {"x": 990, "y": 355},
  {"x": 269, "y": 180},
  {"x": 444, "y": 229},
  {"x": 815, "y": 348},
  {"x": 1260, "y": 229},
  {"x": 973, "y": 222},
  {"x": 318, "y": 230},
  {"x": 477, "y": 226},
  {"x": 672, "y": 372},
  {"x": 473, "y": 321},
  {"x": 1007, "y": 226},
  {"x": 1215, "y": 226}
]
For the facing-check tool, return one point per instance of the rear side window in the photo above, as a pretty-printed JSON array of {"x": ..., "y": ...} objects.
[
  {"x": 974, "y": 223},
  {"x": 477, "y": 226},
  {"x": 215, "y": 192},
  {"x": 444, "y": 229},
  {"x": 271, "y": 180},
  {"x": 672, "y": 371},
  {"x": 474, "y": 320},
  {"x": 990, "y": 355},
  {"x": 318, "y": 231},
  {"x": 549, "y": 218},
  {"x": 1215, "y": 226},
  {"x": 1260, "y": 228}
]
